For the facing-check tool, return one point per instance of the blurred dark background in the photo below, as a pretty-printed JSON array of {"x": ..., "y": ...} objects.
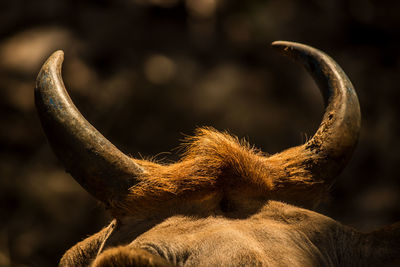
[{"x": 145, "y": 72}]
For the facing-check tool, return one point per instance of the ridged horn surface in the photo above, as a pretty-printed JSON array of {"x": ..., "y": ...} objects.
[
  {"x": 329, "y": 150},
  {"x": 93, "y": 161}
]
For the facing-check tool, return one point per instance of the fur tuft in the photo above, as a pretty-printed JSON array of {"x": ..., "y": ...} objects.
[{"x": 212, "y": 163}]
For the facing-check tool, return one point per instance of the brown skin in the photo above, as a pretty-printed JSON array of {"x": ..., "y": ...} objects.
[{"x": 224, "y": 203}]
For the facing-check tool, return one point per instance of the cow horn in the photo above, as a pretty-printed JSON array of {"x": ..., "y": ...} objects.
[
  {"x": 95, "y": 163},
  {"x": 329, "y": 150}
]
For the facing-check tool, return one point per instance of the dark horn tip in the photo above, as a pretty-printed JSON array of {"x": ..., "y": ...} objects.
[
  {"x": 281, "y": 43},
  {"x": 292, "y": 49},
  {"x": 284, "y": 45}
]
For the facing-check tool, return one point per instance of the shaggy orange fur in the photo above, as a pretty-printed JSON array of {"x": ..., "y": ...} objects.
[{"x": 213, "y": 165}]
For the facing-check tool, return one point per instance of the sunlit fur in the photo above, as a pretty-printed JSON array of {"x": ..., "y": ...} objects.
[{"x": 217, "y": 166}]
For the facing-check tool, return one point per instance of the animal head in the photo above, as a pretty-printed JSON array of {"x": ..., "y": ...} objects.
[{"x": 224, "y": 202}]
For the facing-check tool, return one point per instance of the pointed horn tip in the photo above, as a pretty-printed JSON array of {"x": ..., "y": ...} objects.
[
  {"x": 58, "y": 53},
  {"x": 54, "y": 61},
  {"x": 292, "y": 48},
  {"x": 283, "y": 44},
  {"x": 52, "y": 65},
  {"x": 287, "y": 48}
]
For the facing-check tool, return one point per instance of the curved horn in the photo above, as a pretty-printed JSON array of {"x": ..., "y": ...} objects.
[
  {"x": 328, "y": 151},
  {"x": 102, "y": 169}
]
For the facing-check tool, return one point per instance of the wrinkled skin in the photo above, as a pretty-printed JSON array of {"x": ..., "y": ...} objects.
[{"x": 224, "y": 203}]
